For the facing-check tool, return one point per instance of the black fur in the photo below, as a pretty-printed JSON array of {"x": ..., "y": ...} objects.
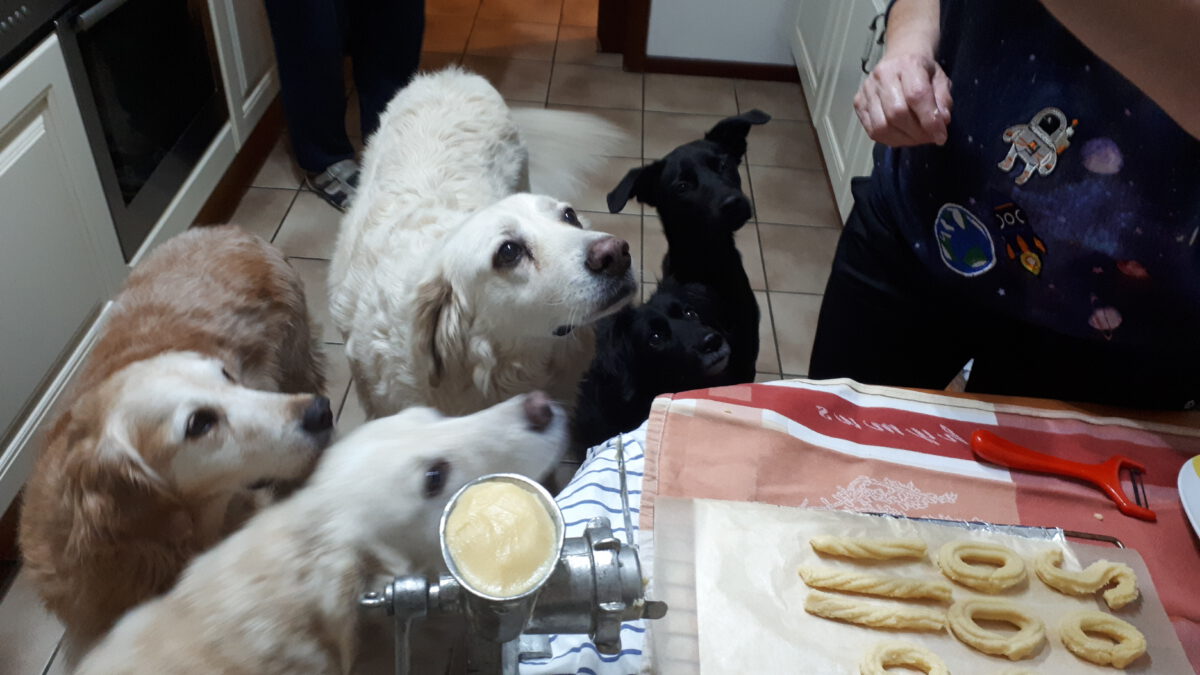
[{"x": 665, "y": 345}]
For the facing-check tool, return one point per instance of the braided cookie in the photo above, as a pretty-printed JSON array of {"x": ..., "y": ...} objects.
[
  {"x": 833, "y": 579},
  {"x": 892, "y": 653},
  {"x": 874, "y": 615},
  {"x": 954, "y": 559},
  {"x": 1074, "y": 629},
  {"x": 1099, "y": 574},
  {"x": 1022, "y": 644},
  {"x": 867, "y": 548}
]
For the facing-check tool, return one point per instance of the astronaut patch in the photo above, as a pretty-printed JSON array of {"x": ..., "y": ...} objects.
[
  {"x": 964, "y": 242},
  {"x": 1021, "y": 243},
  {"x": 1038, "y": 143}
]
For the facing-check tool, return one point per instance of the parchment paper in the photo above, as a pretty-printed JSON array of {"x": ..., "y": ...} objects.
[{"x": 749, "y": 616}]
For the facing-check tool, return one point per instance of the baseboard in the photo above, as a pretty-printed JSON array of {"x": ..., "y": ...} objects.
[{"x": 738, "y": 69}]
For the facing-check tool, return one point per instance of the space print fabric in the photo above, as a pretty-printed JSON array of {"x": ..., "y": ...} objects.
[{"x": 1063, "y": 197}]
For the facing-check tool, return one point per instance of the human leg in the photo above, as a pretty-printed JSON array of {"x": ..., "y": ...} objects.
[{"x": 385, "y": 45}]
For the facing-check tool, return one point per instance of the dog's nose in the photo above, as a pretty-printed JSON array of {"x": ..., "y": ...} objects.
[
  {"x": 317, "y": 416},
  {"x": 609, "y": 256},
  {"x": 712, "y": 342},
  {"x": 538, "y": 411}
]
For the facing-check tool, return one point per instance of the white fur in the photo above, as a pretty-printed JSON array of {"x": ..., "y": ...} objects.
[
  {"x": 426, "y": 317},
  {"x": 280, "y": 596}
]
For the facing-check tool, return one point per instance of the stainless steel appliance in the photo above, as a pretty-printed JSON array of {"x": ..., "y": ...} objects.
[
  {"x": 22, "y": 24},
  {"x": 146, "y": 76}
]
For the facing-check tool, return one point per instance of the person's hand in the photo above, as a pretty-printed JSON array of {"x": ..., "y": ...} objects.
[{"x": 905, "y": 100}]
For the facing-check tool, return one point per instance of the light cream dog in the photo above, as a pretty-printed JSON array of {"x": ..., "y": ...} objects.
[
  {"x": 281, "y": 595},
  {"x": 452, "y": 288},
  {"x": 177, "y": 415}
]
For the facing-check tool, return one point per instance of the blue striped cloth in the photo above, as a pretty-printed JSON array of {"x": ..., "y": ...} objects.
[{"x": 596, "y": 491}]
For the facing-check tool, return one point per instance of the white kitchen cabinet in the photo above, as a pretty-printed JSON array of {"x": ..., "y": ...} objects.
[
  {"x": 59, "y": 256},
  {"x": 830, "y": 41},
  {"x": 247, "y": 58}
]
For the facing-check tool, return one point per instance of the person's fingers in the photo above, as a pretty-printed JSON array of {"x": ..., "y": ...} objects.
[
  {"x": 919, "y": 96},
  {"x": 881, "y": 131},
  {"x": 900, "y": 116},
  {"x": 941, "y": 93}
]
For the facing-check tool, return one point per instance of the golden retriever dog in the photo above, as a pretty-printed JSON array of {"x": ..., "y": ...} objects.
[
  {"x": 454, "y": 289},
  {"x": 280, "y": 596},
  {"x": 203, "y": 386}
]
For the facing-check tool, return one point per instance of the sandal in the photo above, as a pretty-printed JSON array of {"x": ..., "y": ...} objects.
[{"x": 337, "y": 184}]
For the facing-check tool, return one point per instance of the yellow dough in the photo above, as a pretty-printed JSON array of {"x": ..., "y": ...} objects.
[
  {"x": 868, "y": 548},
  {"x": 1030, "y": 635},
  {"x": 1129, "y": 645},
  {"x": 892, "y": 653},
  {"x": 1099, "y": 574},
  {"x": 501, "y": 538},
  {"x": 954, "y": 560},
  {"x": 833, "y": 579},
  {"x": 874, "y": 615}
]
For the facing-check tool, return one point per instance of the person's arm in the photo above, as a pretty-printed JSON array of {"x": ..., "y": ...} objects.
[
  {"x": 1154, "y": 44},
  {"x": 906, "y": 98}
]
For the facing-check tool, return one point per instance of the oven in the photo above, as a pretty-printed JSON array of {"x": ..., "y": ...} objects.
[{"x": 146, "y": 75}]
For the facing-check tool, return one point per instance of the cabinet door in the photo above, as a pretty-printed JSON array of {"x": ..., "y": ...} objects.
[
  {"x": 837, "y": 124},
  {"x": 812, "y": 43},
  {"x": 247, "y": 58},
  {"x": 59, "y": 257}
]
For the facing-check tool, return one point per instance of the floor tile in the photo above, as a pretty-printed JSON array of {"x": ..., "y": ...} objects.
[
  {"x": 431, "y": 61},
  {"x": 313, "y": 274},
  {"x": 513, "y": 40},
  {"x": 654, "y": 243},
  {"x": 793, "y": 197},
  {"x": 663, "y": 132},
  {"x": 578, "y": 44},
  {"x": 533, "y": 11},
  {"x": 447, "y": 33},
  {"x": 515, "y": 79},
  {"x": 310, "y": 228},
  {"x": 595, "y": 86},
  {"x": 581, "y": 12},
  {"x": 654, "y": 247},
  {"x": 452, "y": 7},
  {"x": 59, "y": 666},
  {"x": 261, "y": 210},
  {"x": 648, "y": 290},
  {"x": 625, "y": 226},
  {"x": 798, "y": 259},
  {"x": 788, "y": 143},
  {"x": 28, "y": 633},
  {"x": 766, "y": 377},
  {"x": 768, "y": 351},
  {"x": 795, "y": 326},
  {"x": 780, "y": 100},
  {"x": 690, "y": 94},
  {"x": 337, "y": 374},
  {"x": 606, "y": 177},
  {"x": 279, "y": 169},
  {"x": 628, "y": 121},
  {"x": 352, "y": 415}
]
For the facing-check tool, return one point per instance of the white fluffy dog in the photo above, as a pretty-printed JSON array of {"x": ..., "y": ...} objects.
[
  {"x": 281, "y": 595},
  {"x": 453, "y": 289}
]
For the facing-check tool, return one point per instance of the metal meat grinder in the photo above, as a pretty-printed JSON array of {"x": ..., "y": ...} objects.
[{"x": 595, "y": 584}]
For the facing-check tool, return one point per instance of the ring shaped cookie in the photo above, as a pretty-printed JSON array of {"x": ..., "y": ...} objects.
[
  {"x": 1048, "y": 567},
  {"x": 954, "y": 558},
  {"x": 963, "y": 617},
  {"x": 891, "y": 653},
  {"x": 1074, "y": 629}
]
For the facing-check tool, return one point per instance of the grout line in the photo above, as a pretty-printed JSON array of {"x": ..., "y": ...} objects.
[
  {"x": 304, "y": 257},
  {"x": 279, "y": 227}
]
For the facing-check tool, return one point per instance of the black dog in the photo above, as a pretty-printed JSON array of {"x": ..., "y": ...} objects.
[
  {"x": 698, "y": 194},
  {"x": 664, "y": 345}
]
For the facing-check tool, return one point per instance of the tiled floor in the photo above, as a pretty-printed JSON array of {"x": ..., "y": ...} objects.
[{"x": 542, "y": 53}]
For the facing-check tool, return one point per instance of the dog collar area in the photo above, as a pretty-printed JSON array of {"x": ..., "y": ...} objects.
[{"x": 563, "y": 330}]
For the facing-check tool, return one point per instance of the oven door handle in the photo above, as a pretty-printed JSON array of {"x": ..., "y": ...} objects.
[{"x": 96, "y": 13}]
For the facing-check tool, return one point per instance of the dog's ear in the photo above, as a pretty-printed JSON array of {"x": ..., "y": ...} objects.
[
  {"x": 730, "y": 133},
  {"x": 641, "y": 183},
  {"x": 440, "y": 322}
]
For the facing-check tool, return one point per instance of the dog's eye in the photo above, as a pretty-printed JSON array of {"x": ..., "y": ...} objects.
[
  {"x": 508, "y": 254},
  {"x": 681, "y": 186},
  {"x": 569, "y": 216},
  {"x": 690, "y": 314},
  {"x": 656, "y": 338},
  {"x": 435, "y": 477},
  {"x": 201, "y": 422}
]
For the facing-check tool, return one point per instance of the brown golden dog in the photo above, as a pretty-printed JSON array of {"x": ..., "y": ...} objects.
[{"x": 202, "y": 388}]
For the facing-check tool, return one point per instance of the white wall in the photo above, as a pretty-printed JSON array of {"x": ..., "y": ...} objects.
[{"x": 753, "y": 31}]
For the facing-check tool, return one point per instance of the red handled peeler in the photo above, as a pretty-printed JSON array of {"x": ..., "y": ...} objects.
[{"x": 1106, "y": 475}]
